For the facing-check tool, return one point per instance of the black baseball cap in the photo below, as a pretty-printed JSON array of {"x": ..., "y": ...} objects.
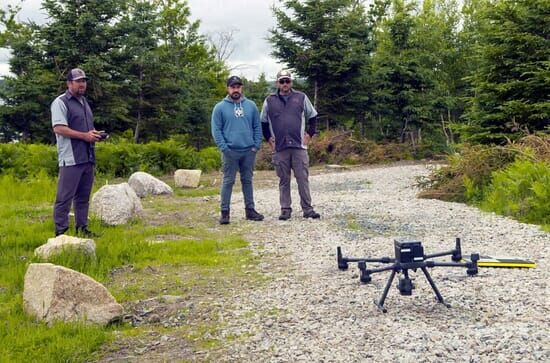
[
  {"x": 75, "y": 74},
  {"x": 233, "y": 80}
]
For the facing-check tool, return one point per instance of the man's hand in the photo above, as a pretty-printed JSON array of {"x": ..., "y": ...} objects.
[
  {"x": 272, "y": 143},
  {"x": 307, "y": 138},
  {"x": 88, "y": 136},
  {"x": 93, "y": 136}
]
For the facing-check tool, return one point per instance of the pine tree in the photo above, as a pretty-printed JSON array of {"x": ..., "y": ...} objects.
[{"x": 511, "y": 85}]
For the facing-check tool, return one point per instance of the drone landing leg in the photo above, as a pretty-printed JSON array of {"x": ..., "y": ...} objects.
[
  {"x": 380, "y": 303},
  {"x": 434, "y": 288}
]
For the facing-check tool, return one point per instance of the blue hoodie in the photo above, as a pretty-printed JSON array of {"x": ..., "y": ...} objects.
[{"x": 236, "y": 126}]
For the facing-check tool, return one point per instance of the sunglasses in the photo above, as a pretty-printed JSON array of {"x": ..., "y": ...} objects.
[{"x": 284, "y": 80}]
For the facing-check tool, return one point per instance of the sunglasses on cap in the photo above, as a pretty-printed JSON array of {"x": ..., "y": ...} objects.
[{"x": 284, "y": 80}]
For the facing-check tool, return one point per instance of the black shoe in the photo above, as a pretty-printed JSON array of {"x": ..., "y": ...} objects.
[
  {"x": 60, "y": 232},
  {"x": 285, "y": 214},
  {"x": 312, "y": 214},
  {"x": 252, "y": 215},
  {"x": 85, "y": 232},
  {"x": 224, "y": 219}
]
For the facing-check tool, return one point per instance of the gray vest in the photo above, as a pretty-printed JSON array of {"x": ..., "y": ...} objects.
[
  {"x": 287, "y": 119},
  {"x": 80, "y": 118}
]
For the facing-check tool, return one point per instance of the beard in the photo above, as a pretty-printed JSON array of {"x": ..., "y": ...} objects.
[{"x": 235, "y": 96}]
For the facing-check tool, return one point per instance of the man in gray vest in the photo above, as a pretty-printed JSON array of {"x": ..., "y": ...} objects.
[
  {"x": 288, "y": 124},
  {"x": 73, "y": 125}
]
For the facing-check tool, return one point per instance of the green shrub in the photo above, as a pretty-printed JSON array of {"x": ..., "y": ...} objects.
[
  {"x": 522, "y": 190},
  {"x": 467, "y": 173},
  {"x": 210, "y": 158},
  {"x": 24, "y": 160},
  {"x": 114, "y": 159}
]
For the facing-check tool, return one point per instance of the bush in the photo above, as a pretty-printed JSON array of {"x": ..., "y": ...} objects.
[
  {"x": 25, "y": 160},
  {"x": 511, "y": 180},
  {"x": 335, "y": 147},
  {"x": 119, "y": 159},
  {"x": 522, "y": 190},
  {"x": 467, "y": 173}
]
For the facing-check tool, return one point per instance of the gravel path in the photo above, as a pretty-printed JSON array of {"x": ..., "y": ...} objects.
[{"x": 309, "y": 311}]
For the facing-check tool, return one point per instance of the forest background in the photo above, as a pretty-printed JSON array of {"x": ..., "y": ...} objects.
[{"x": 391, "y": 79}]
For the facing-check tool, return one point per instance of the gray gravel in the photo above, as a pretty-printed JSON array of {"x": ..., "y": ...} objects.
[{"x": 310, "y": 311}]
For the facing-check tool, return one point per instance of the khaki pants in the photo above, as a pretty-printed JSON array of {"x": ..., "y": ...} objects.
[{"x": 296, "y": 160}]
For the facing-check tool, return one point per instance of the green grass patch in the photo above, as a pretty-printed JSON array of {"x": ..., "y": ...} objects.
[{"x": 135, "y": 261}]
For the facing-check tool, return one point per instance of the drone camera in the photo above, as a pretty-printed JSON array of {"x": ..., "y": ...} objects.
[{"x": 407, "y": 251}]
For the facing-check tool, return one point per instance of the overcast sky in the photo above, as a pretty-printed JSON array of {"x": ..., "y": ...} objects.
[{"x": 250, "y": 20}]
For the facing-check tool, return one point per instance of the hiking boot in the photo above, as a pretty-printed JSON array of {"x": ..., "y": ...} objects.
[
  {"x": 312, "y": 214},
  {"x": 85, "y": 232},
  {"x": 224, "y": 219},
  {"x": 252, "y": 215},
  {"x": 285, "y": 214},
  {"x": 60, "y": 232}
]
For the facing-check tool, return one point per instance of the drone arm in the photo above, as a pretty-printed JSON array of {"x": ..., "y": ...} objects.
[
  {"x": 382, "y": 269},
  {"x": 446, "y": 264},
  {"x": 456, "y": 253},
  {"x": 439, "y": 254}
]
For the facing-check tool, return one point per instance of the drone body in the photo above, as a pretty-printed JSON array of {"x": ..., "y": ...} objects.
[{"x": 409, "y": 255}]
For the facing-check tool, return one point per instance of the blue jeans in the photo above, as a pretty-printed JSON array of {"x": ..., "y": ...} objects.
[{"x": 243, "y": 162}]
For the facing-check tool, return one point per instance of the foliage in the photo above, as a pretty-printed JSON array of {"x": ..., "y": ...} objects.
[
  {"x": 150, "y": 71},
  {"x": 511, "y": 86},
  {"x": 114, "y": 159},
  {"x": 471, "y": 164},
  {"x": 326, "y": 42},
  {"x": 521, "y": 191},
  {"x": 511, "y": 180},
  {"x": 258, "y": 90}
]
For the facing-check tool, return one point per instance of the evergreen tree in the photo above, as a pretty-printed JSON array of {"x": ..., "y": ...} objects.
[
  {"x": 511, "y": 86},
  {"x": 399, "y": 82},
  {"x": 149, "y": 69},
  {"x": 327, "y": 43}
]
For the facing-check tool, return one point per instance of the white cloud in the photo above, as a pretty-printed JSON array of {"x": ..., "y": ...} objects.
[{"x": 251, "y": 20}]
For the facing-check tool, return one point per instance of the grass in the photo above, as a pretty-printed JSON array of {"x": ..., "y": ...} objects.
[{"x": 173, "y": 250}]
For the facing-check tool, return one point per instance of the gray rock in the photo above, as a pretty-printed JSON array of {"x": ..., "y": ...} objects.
[
  {"x": 57, "y": 293},
  {"x": 116, "y": 204},
  {"x": 187, "y": 178},
  {"x": 61, "y": 243},
  {"x": 145, "y": 184}
]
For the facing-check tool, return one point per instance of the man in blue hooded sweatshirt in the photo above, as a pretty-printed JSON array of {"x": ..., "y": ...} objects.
[{"x": 237, "y": 132}]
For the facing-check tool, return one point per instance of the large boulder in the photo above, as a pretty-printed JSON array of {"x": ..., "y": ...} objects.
[
  {"x": 145, "y": 184},
  {"x": 54, "y": 292},
  {"x": 187, "y": 178},
  {"x": 116, "y": 204},
  {"x": 57, "y": 245}
]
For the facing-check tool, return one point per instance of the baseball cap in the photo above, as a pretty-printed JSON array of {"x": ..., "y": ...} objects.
[
  {"x": 283, "y": 73},
  {"x": 76, "y": 73},
  {"x": 234, "y": 80}
]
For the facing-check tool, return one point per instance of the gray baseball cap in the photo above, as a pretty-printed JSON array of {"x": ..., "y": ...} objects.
[
  {"x": 282, "y": 74},
  {"x": 75, "y": 74}
]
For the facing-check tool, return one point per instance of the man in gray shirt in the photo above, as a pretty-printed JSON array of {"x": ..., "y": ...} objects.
[
  {"x": 288, "y": 124},
  {"x": 73, "y": 125}
]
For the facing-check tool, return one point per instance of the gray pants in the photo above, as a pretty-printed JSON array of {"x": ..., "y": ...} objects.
[
  {"x": 296, "y": 160},
  {"x": 74, "y": 185}
]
